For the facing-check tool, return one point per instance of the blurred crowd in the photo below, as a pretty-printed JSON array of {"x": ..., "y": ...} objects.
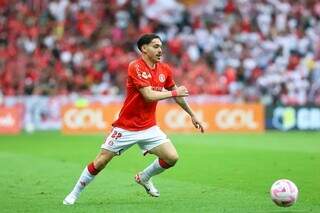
[{"x": 253, "y": 51}]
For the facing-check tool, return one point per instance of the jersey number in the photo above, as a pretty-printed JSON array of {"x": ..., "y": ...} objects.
[{"x": 116, "y": 135}]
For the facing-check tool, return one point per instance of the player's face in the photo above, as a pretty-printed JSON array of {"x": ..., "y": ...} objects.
[{"x": 154, "y": 50}]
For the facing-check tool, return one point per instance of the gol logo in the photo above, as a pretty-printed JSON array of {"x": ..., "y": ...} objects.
[
  {"x": 84, "y": 119},
  {"x": 7, "y": 121},
  {"x": 177, "y": 119},
  {"x": 10, "y": 120},
  {"x": 236, "y": 119}
]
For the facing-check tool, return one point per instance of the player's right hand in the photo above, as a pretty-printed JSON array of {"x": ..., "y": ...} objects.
[{"x": 182, "y": 91}]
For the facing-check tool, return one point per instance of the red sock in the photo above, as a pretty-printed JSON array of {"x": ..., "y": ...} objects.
[
  {"x": 92, "y": 170},
  {"x": 164, "y": 164}
]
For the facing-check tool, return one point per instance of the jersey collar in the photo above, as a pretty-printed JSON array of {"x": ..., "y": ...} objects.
[{"x": 149, "y": 68}]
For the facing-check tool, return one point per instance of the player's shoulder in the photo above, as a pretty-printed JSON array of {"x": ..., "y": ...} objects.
[
  {"x": 134, "y": 65},
  {"x": 165, "y": 66}
]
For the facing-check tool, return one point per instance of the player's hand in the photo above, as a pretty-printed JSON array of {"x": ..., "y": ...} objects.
[
  {"x": 182, "y": 91},
  {"x": 197, "y": 123}
]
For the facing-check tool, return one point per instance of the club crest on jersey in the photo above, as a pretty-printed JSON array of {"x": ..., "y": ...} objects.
[{"x": 162, "y": 78}]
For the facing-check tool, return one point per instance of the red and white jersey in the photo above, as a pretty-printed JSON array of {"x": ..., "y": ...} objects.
[{"x": 137, "y": 114}]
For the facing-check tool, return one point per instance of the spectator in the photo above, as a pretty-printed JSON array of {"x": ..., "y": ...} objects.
[{"x": 266, "y": 50}]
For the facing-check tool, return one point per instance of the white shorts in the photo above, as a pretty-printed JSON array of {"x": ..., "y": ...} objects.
[{"x": 120, "y": 140}]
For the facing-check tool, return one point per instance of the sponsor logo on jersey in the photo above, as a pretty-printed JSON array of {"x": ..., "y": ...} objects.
[
  {"x": 146, "y": 75},
  {"x": 143, "y": 74}
]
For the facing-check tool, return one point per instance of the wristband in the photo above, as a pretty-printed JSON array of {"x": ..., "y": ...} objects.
[{"x": 174, "y": 93}]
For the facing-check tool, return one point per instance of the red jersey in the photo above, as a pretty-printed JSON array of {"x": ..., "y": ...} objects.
[{"x": 137, "y": 114}]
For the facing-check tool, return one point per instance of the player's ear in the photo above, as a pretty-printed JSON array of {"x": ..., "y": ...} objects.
[{"x": 144, "y": 48}]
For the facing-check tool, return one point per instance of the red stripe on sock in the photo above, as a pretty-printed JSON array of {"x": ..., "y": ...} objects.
[
  {"x": 92, "y": 170},
  {"x": 164, "y": 164}
]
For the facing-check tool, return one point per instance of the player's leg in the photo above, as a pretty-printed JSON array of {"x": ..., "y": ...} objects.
[
  {"x": 156, "y": 142},
  {"x": 167, "y": 157},
  {"x": 88, "y": 174},
  {"x": 117, "y": 142}
]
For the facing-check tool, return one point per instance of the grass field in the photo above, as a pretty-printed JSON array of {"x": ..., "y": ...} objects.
[{"x": 215, "y": 173}]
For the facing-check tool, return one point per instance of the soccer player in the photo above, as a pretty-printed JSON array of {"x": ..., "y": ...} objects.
[{"x": 149, "y": 81}]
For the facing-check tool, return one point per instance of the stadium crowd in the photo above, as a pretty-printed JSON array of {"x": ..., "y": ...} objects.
[{"x": 264, "y": 50}]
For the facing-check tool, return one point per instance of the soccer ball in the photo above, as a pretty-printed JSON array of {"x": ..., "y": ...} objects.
[{"x": 284, "y": 193}]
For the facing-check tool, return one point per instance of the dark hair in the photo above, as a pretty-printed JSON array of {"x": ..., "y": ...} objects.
[{"x": 146, "y": 39}]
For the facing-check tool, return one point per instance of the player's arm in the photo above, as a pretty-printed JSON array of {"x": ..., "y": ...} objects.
[
  {"x": 185, "y": 106},
  {"x": 151, "y": 95}
]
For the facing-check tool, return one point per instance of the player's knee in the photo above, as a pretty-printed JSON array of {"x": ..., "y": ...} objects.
[
  {"x": 100, "y": 163},
  {"x": 102, "y": 160},
  {"x": 172, "y": 159}
]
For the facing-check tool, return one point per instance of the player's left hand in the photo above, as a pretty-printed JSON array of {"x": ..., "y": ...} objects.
[{"x": 197, "y": 124}]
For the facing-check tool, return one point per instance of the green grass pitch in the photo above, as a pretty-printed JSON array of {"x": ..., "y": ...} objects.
[{"x": 215, "y": 173}]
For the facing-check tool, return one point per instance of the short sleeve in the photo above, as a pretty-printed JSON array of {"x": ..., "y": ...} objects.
[
  {"x": 139, "y": 78},
  {"x": 169, "y": 80}
]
